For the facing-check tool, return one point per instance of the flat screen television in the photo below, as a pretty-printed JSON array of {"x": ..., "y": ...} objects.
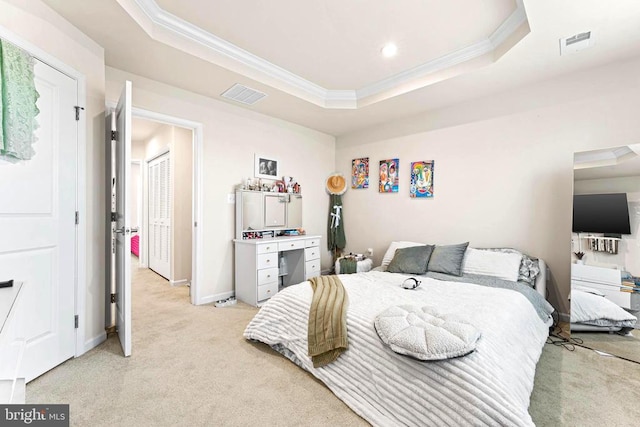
[{"x": 601, "y": 213}]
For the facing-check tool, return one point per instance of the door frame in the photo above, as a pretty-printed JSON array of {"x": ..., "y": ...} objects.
[
  {"x": 196, "y": 191},
  {"x": 80, "y": 284}
]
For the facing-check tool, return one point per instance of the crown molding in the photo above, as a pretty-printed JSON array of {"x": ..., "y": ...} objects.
[{"x": 167, "y": 28}]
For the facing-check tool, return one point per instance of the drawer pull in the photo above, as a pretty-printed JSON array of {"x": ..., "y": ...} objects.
[
  {"x": 268, "y": 275},
  {"x": 292, "y": 245}
]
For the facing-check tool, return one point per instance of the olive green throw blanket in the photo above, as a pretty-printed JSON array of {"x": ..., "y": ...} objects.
[{"x": 327, "y": 320}]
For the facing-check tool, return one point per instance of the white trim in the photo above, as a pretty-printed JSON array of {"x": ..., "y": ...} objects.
[
  {"x": 217, "y": 297},
  {"x": 509, "y": 26},
  {"x": 81, "y": 179},
  {"x": 181, "y": 282},
  {"x": 95, "y": 341},
  {"x": 167, "y": 28}
]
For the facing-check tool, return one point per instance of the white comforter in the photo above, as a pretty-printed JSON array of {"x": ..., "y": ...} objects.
[
  {"x": 589, "y": 307},
  {"x": 490, "y": 386}
]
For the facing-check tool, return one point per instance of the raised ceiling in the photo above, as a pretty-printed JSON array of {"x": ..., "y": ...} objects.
[{"x": 320, "y": 64}]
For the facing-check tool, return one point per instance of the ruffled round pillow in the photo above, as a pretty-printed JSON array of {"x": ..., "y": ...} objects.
[{"x": 425, "y": 333}]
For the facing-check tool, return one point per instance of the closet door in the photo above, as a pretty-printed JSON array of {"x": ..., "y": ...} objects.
[{"x": 160, "y": 215}]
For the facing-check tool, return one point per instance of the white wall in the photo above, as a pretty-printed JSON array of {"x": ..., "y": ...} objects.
[
  {"x": 181, "y": 228},
  {"x": 231, "y": 137},
  {"x": 36, "y": 23},
  {"x": 503, "y": 168}
]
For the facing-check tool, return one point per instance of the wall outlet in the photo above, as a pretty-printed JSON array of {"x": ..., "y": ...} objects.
[{"x": 231, "y": 198}]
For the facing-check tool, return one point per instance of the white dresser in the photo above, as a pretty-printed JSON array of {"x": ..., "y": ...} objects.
[
  {"x": 606, "y": 280},
  {"x": 263, "y": 266}
]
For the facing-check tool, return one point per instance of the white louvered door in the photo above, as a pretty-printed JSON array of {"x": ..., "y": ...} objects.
[{"x": 160, "y": 215}]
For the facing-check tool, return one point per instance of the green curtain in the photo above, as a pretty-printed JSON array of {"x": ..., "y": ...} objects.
[
  {"x": 18, "y": 97},
  {"x": 335, "y": 226}
]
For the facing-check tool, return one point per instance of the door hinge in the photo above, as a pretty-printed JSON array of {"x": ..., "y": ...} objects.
[
  {"x": 75, "y": 320},
  {"x": 78, "y": 108},
  {"x": 77, "y": 217},
  {"x": 114, "y": 298},
  {"x": 114, "y": 134}
]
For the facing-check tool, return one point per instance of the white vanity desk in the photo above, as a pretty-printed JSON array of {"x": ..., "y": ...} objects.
[{"x": 263, "y": 266}]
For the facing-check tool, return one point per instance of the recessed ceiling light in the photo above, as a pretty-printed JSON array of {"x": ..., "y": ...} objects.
[{"x": 389, "y": 50}]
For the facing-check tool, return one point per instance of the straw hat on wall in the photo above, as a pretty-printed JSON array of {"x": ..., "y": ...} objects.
[{"x": 336, "y": 184}]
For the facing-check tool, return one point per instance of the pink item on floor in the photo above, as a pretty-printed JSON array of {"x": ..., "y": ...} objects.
[{"x": 135, "y": 245}]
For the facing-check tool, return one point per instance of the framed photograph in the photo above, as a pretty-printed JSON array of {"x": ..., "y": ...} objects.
[
  {"x": 421, "y": 185},
  {"x": 389, "y": 176},
  {"x": 360, "y": 173},
  {"x": 266, "y": 167}
]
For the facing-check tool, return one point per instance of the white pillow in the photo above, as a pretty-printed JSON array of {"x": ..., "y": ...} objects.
[
  {"x": 391, "y": 251},
  {"x": 502, "y": 265}
]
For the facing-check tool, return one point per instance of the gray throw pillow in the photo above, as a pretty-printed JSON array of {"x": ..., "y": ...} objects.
[
  {"x": 412, "y": 260},
  {"x": 448, "y": 259}
]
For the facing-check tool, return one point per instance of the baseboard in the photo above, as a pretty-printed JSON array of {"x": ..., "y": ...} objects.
[
  {"x": 213, "y": 298},
  {"x": 95, "y": 341},
  {"x": 183, "y": 282}
]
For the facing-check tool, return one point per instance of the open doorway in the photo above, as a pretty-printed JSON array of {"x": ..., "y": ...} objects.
[{"x": 161, "y": 188}]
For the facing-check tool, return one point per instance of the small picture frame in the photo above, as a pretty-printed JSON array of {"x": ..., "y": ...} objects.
[{"x": 266, "y": 167}]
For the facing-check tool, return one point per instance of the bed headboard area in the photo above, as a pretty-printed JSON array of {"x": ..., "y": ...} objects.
[{"x": 460, "y": 259}]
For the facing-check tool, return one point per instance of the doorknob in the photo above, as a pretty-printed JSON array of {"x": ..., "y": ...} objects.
[{"x": 123, "y": 230}]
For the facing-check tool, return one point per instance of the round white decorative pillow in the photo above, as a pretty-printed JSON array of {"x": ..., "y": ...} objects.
[{"x": 425, "y": 333}]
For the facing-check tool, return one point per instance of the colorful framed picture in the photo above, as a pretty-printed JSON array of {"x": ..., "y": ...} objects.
[
  {"x": 389, "y": 176},
  {"x": 421, "y": 179},
  {"x": 265, "y": 167},
  {"x": 360, "y": 173}
]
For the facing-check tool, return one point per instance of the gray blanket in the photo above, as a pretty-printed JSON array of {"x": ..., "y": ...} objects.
[{"x": 543, "y": 308}]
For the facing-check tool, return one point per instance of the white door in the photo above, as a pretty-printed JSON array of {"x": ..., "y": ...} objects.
[
  {"x": 160, "y": 215},
  {"x": 38, "y": 230},
  {"x": 122, "y": 231}
]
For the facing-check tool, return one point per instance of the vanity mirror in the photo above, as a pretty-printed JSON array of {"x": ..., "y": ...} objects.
[{"x": 605, "y": 245}]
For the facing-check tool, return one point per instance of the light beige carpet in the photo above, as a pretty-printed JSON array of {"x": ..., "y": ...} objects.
[
  {"x": 190, "y": 366},
  {"x": 625, "y": 346}
]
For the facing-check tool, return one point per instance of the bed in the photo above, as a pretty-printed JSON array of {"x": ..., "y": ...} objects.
[
  {"x": 591, "y": 311},
  {"x": 490, "y": 386}
]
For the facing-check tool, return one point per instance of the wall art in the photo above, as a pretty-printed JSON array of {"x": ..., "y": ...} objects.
[
  {"x": 360, "y": 173},
  {"x": 421, "y": 185},
  {"x": 389, "y": 176},
  {"x": 266, "y": 167}
]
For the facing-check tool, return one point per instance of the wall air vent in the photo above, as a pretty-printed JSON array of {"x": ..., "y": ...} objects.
[
  {"x": 576, "y": 43},
  {"x": 243, "y": 94}
]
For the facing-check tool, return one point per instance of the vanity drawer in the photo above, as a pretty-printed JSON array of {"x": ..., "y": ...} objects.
[
  {"x": 268, "y": 260},
  {"x": 312, "y": 242},
  {"x": 267, "y": 291},
  {"x": 267, "y": 248},
  {"x": 290, "y": 246},
  {"x": 311, "y": 253},
  {"x": 267, "y": 275},
  {"x": 312, "y": 269}
]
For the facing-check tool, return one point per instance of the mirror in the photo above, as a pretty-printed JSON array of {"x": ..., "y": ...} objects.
[{"x": 605, "y": 246}]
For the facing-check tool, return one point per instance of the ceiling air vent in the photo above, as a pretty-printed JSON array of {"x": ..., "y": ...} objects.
[
  {"x": 576, "y": 43},
  {"x": 243, "y": 94}
]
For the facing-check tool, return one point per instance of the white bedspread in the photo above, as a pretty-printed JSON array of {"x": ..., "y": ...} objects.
[
  {"x": 491, "y": 386},
  {"x": 588, "y": 307}
]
